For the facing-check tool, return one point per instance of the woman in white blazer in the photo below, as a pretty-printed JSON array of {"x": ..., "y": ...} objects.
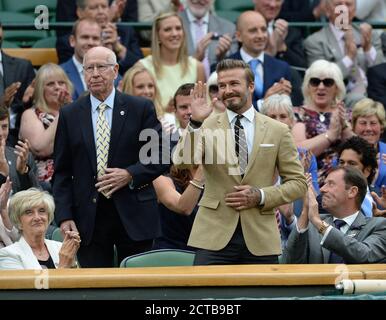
[{"x": 31, "y": 212}]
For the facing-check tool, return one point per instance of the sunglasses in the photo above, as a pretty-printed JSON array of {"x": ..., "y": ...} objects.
[{"x": 328, "y": 82}]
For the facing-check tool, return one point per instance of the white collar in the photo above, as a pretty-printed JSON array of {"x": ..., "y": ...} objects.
[
  {"x": 78, "y": 65},
  {"x": 247, "y": 57},
  {"x": 349, "y": 219},
  {"x": 249, "y": 115},
  {"x": 192, "y": 18}
]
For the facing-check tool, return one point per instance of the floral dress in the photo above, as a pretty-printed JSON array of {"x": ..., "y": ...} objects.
[
  {"x": 317, "y": 123},
  {"x": 45, "y": 166}
]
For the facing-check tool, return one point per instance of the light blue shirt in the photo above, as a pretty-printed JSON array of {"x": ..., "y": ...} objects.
[{"x": 108, "y": 111}]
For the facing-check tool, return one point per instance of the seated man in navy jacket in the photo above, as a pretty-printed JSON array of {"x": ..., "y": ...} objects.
[
  {"x": 122, "y": 40},
  {"x": 271, "y": 75},
  {"x": 86, "y": 34}
]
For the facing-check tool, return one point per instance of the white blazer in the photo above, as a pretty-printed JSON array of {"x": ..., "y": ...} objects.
[{"x": 20, "y": 256}]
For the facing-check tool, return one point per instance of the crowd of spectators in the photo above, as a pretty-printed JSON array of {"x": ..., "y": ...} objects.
[{"x": 327, "y": 87}]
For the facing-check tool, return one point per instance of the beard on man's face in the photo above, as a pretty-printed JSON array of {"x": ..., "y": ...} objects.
[{"x": 234, "y": 106}]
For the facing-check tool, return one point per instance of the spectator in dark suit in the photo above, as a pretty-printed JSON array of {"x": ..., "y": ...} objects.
[
  {"x": 15, "y": 76},
  {"x": 343, "y": 236},
  {"x": 66, "y": 11},
  {"x": 106, "y": 194},
  {"x": 86, "y": 35},
  {"x": 284, "y": 43},
  {"x": 274, "y": 75},
  {"x": 376, "y": 76},
  {"x": 122, "y": 40}
]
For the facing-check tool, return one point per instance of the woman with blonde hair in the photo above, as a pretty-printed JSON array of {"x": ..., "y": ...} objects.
[
  {"x": 52, "y": 90},
  {"x": 368, "y": 122},
  {"x": 138, "y": 81},
  {"x": 169, "y": 62},
  {"x": 31, "y": 212},
  {"x": 322, "y": 122}
]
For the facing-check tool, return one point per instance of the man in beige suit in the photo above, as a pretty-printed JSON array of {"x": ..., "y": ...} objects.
[{"x": 236, "y": 223}]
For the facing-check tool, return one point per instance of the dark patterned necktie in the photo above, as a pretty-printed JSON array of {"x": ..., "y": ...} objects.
[
  {"x": 241, "y": 145},
  {"x": 334, "y": 258}
]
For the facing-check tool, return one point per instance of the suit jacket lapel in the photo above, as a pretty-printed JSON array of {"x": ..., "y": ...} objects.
[
  {"x": 85, "y": 121},
  {"x": 119, "y": 118},
  {"x": 267, "y": 71},
  {"x": 76, "y": 80},
  {"x": 333, "y": 44},
  {"x": 8, "y": 66},
  {"x": 260, "y": 131},
  {"x": 357, "y": 225},
  {"x": 186, "y": 22}
]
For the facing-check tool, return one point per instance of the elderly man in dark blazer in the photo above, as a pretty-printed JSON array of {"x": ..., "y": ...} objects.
[
  {"x": 343, "y": 236},
  {"x": 101, "y": 186}
]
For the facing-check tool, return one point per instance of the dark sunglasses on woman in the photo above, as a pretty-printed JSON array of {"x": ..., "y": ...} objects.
[{"x": 327, "y": 82}]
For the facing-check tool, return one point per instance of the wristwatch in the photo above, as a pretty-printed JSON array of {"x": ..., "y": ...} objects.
[{"x": 323, "y": 227}]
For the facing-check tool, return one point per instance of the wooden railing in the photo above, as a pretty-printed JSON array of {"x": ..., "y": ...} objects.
[{"x": 217, "y": 276}]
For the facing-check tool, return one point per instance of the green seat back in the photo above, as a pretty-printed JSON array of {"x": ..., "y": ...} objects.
[
  {"x": 49, "y": 42},
  {"x": 57, "y": 235},
  {"x": 9, "y": 44},
  {"x": 237, "y": 5},
  {"x": 23, "y": 37},
  {"x": 230, "y": 15},
  {"x": 159, "y": 258},
  {"x": 28, "y": 6}
]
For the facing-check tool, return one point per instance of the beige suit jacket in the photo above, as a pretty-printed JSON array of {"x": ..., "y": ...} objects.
[{"x": 273, "y": 147}]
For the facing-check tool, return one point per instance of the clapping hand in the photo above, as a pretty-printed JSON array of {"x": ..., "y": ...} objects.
[
  {"x": 70, "y": 246},
  {"x": 4, "y": 168},
  {"x": 5, "y": 191},
  {"x": 200, "y": 107},
  {"x": 22, "y": 150},
  {"x": 64, "y": 97},
  {"x": 9, "y": 94},
  {"x": 380, "y": 200},
  {"x": 366, "y": 32}
]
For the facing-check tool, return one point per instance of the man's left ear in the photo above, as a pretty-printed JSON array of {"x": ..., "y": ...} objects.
[
  {"x": 116, "y": 69},
  {"x": 353, "y": 192}
]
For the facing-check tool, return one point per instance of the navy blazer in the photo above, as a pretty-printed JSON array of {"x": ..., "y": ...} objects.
[
  {"x": 128, "y": 38},
  {"x": 73, "y": 74},
  {"x": 75, "y": 174}
]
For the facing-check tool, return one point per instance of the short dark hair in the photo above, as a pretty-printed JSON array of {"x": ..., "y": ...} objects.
[
  {"x": 4, "y": 113},
  {"x": 354, "y": 178},
  {"x": 365, "y": 150},
  {"x": 183, "y": 90},
  {"x": 230, "y": 64}
]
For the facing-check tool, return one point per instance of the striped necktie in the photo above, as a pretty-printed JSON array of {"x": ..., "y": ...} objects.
[
  {"x": 334, "y": 258},
  {"x": 102, "y": 142},
  {"x": 241, "y": 146}
]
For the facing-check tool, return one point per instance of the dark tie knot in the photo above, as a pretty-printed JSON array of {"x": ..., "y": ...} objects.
[{"x": 339, "y": 223}]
